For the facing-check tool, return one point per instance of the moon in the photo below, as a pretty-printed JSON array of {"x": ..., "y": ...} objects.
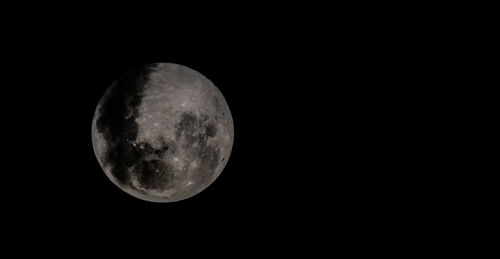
[{"x": 162, "y": 133}]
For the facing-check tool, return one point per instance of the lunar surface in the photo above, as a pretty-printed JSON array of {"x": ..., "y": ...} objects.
[{"x": 162, "y": 133}]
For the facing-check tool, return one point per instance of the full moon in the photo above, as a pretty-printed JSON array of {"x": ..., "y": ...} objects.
[{"x": 162, "y": 133}]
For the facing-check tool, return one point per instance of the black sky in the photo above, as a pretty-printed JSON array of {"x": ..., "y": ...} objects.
[{"x": 326, "y": 102}]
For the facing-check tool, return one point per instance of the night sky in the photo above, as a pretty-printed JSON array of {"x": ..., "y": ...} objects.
[{"x": 327, "y": 134}]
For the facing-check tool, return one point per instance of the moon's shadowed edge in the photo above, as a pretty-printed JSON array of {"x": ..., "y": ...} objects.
[{"x": 116, "y": 122}]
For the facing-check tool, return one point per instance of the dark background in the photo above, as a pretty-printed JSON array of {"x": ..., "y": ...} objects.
[{"x": 328, "y": 104}]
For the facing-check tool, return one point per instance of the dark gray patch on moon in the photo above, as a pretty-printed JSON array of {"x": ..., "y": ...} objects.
[
  {"x": 116, "y": 122},
  {"x": 162, "y": 133},
  {"x": 196, "y": 130}
]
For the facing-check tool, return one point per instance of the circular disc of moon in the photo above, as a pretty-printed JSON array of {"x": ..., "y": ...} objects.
[{"x": 162, "y": 133}]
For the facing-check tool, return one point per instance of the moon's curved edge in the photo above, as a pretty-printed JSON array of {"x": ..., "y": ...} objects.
[{"x": 100, "y": 146}]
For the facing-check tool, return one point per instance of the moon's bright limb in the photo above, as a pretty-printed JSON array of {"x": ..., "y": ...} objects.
[{"x": 162, "y": 133}]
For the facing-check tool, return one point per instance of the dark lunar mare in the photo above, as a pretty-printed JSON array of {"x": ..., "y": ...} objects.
[
  {"x": 196, "y": 130},
  {"x": 116, "y": 121}
]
